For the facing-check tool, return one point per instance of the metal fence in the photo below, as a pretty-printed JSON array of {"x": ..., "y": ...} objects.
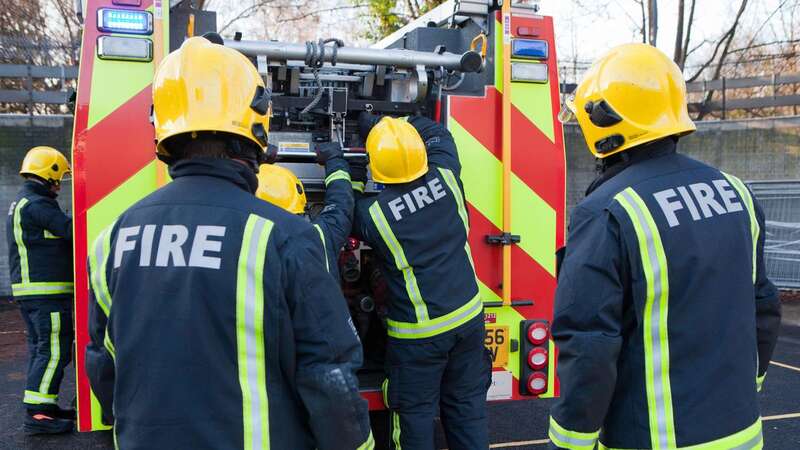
[{"x": 781, "y": 203}]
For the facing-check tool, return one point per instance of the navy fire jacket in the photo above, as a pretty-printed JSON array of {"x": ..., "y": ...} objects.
[
  {"x": 664, "y": 317},
  {"x": 214, "y": 324},
  {"x": 39, "y": 236},
  {"x": 419, "y": 232}
]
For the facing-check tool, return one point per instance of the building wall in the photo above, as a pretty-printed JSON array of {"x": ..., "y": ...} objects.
[
  {"x": 759, "y": 149},
  {"x": 17, "y": 135}
]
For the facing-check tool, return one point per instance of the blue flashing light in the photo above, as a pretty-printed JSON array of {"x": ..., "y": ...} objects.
[
  {"x": 529, "y": 49},
  {"x": 124, "y": 21}
]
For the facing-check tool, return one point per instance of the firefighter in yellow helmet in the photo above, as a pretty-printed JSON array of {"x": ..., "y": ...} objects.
[
  {"x": 664, "y": 317},
  {"x": 39, "y": 235},
  {"x": 281, "y": 187},
  {"x": 213, "y": 298},
  {"x": 418, "y": 227}
]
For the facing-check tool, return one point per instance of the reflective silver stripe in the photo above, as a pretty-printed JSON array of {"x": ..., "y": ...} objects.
[
  {"x": 43, "y": 288},
  {"x": 250, "y": 333},
  {"x": 663, "y": 435},
  {"x": 572, "y": 440},
  {"x": 751, "y": 444},
  {"x": 418, "y": 329}
]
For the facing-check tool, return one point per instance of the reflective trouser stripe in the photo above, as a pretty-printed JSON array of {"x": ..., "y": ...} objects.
[
  {"x": 439, "y": 325},
  {"x": 396, "y": 430},
  {"x": 571, "y": 440},
  {"x": 385, "y": 392},
  {"x": 55, "y": 352},
  {"x": 400, "y": 261},
  {"x": 98, "y": 260},
  {"x": 38, "y": 398},
  {"x": 338, "y": 175},
  {"x": 656, "y": 344},
  {"x": 748, "y": 439},
  {"x": 755, "y": 229},
  {"x": 450, "y": 180},
  {"x": 324, "y": 247},
  {"x": 21, "y": 249},
  {"x": 358, "y": 186},
  {"x": 369, "y": 444},
  {"x": 42, "y": 288},
  {"x": 760, "y": 382},
  {"x": 250, "y": 332},
  {"x": 109, "y": 346}
]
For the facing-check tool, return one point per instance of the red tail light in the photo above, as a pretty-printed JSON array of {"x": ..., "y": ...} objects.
[
  {"x": 538, "y": 333},
  {"x": 537, "y": 358},
  {"x": 537, "y": 383}
]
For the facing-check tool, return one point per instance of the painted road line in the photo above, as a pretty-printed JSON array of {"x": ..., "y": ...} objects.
[
  {"x": 520, "y": 443},
  {"x": 781, "y": 416},
  {"x": 785, "y": 366}
]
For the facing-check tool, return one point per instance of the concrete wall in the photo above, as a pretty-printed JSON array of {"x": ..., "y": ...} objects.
[
  {"x": 760, "y": 149},
  {"x": 17, "y": 135}
]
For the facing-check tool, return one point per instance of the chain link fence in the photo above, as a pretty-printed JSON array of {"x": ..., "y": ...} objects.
[{"x": 781, "y": 203}]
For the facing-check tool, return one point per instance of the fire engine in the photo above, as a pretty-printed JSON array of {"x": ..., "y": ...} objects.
[{"x": 487, "y": 69}]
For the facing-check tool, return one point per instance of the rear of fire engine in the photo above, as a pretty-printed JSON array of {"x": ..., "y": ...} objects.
[{"x": 487, "y": 71}]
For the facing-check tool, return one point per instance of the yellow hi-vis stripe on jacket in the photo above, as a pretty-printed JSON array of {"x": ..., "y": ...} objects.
[
  {"x": 250, "y": 332},
  {"x": 571, "y": 440},
  {"x": 748, "y": 439},
  {"x": 755, "y": 230},
  {"x": 400, "y": 261},
  {"x": 26, "y": 287},
  {"x": 656, "y": 343}
]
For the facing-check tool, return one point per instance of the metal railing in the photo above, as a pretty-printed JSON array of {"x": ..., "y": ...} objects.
[
  {"x": 58, "y": 95},
  {"x": 727, "y": 102},
  {"x": 781, "y": 203}
]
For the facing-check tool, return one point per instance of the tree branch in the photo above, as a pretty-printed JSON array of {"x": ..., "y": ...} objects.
[
  {"x": 688, "y": 39},
  {"x": 726, "y": 40}
]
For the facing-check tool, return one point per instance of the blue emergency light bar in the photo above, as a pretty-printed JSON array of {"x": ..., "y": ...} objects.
[
  {"x": 124, "y": 21},
  {"x": 529, "y": 49}
]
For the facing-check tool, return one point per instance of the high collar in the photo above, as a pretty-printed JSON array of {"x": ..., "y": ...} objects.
[
  {"x": 609, "y": 168},
  {"x": 226, "y": 169},
  {"x": 39, "y": 188}
]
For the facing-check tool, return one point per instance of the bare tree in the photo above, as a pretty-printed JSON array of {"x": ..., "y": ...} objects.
[{"x": 652, "y": 21}]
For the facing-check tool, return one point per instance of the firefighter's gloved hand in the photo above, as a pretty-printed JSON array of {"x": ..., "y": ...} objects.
[
  {"x": 366, "y": 121},
  {"x": 328, "y": 151},
  {"x": 269, "y": 156},
  {"x": 358, "y": 170}
]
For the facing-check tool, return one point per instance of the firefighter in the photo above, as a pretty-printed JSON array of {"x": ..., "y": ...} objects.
[
  {"x": 213, "y": 322},
  {"x": 664, "y": 317},
  {"x": 279, "y": 186},
  {"x": 418, "y": 228},
  {"x": 39, "y": 238}
]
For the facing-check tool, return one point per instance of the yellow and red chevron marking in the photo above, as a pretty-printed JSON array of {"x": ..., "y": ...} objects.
[
  {"x": 113, "y": 158},
  {"x": 538, "y": 186}
]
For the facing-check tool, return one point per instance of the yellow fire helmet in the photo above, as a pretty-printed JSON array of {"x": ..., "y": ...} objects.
[
  {"x": 279, "y": 186},
  {"x": 46, "y": 163},
  {"x": 396, "y": 152},
  {"x": 208, "y": 87},
  {"x": 632, "y": 95}
]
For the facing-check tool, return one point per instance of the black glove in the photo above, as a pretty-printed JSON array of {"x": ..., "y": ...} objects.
[
  {"x": 328, "y": 151},
  {"x": 269, "y": 155},
  {"x": 358, "y": 170},
  {"x": 365, "y": 123}
]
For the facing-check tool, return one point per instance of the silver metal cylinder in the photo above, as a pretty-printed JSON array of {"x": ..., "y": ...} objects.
[{"x": 284, "y": 51}]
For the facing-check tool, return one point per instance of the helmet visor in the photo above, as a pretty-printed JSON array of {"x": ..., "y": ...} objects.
[{"x": 567, "y": 112}]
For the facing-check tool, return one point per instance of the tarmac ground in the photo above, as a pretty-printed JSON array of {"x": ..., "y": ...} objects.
[{"x": 513, "y": 425}]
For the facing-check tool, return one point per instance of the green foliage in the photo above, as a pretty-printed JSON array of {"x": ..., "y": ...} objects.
[{"x": 387, "y": 16}]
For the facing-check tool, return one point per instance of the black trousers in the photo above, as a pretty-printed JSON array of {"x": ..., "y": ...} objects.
[
  {"x": 450, "y": 373},
  {"x": 50, "y": 343}
]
